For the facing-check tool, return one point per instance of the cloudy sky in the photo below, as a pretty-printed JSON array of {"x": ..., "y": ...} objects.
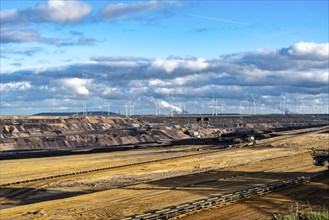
[{"x": 57, "y": 55}]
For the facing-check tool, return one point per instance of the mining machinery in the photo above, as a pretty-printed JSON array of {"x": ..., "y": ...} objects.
[
  {"x": 320, "y": 156},
  {"x": 7, "y": 130}
]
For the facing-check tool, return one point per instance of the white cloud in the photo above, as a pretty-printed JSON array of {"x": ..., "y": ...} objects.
[
  {"x": 13, "y": 86},
  {"x": 196, "y": 65},
  {"x": 165, "y": 91},
  {"x": 310, "y": 50},
  {"x": 16, "y": 24},
  {"x": 171, "y": 65},
  {"x": 77, "y": 85},
  {"x": 108, "y": 91},
  {"x": 62, "y": 11},
  {"x": 267, "y": 73},
  {"x": 179, "y": 81},
  {"x": 168, "y": 65},
  {"x": 156, "y": 82}
]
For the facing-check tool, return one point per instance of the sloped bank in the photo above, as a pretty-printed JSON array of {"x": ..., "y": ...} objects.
[{"x": 62, "y": 133}]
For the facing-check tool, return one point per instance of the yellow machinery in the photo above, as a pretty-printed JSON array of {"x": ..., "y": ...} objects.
[{"x": 7, "y": 130}]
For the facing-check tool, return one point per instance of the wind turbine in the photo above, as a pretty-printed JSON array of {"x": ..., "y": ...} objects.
[
  {"x": 156, "y": 108},
  {"x": 253, "y": 105},
  {"x": 296, "y": 106},
  {"x": 212, "y": 105},
  {"x": 84, "y": 109},
  {"x": 222, "y": 108},
  {"x": 303, "y": 108},
  {"x": 108, "y": 109},
  {"x": 240, "y": 108},
  {"x": 283, "y": 104},
  {"x": 216, "y": 106},
  {"x": 159, "y": 108},
  {"x": 126, "y": 107},
  {"x": 131, "y": 108}
]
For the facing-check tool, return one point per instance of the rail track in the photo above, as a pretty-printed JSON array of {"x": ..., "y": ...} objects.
[
  {"x": 218, "y": 201},
  {"x": 157, "y": 160}
]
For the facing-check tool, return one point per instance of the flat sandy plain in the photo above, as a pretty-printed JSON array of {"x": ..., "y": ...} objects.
[{"x": 131, "y": 190}]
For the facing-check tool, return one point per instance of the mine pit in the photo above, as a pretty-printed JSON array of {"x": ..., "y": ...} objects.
[{"x": 98, "y": 167}]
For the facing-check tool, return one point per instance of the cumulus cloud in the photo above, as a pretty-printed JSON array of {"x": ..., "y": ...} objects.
[
  {"x": 60, "y": 11},
  {"x": 76, "y": 85},
  {"x": 57, "y": 11},
  {"x": 301, "y": 55},
  {"x": 310, "y": 50},
  {"x": 16, "y": 25},
  {"x": 261, "y": 73},
  {"x": 21, "y": 25},
  {"x": 108, "y": 91},
  {"x": 172, "y": 64}
]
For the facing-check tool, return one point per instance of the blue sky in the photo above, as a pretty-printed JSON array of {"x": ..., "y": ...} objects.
[{"x": 56, "y": 55}]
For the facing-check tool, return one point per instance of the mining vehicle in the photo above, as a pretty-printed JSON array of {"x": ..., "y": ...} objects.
[
  {"x": 241, "y": 136},
  {"x": 7, "y": 130},
  {"x": 320, "y": 157}
]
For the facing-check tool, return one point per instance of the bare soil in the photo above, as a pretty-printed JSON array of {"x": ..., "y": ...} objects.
[
  {"x": 127, "y": 191},
  {"x": 313, "y": 196}
]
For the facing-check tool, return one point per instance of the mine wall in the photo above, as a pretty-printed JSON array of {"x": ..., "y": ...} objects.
[
  {"x": 260, "y": 122},
  {"x": 50, "y": 133},
  {"x": 82, "y": 132}
]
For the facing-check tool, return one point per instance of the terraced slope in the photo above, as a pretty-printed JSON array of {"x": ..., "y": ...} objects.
[{"x": 54, "y": 133}]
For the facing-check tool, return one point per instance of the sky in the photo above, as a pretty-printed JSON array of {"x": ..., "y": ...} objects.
[{"x": 58, "y": 55}]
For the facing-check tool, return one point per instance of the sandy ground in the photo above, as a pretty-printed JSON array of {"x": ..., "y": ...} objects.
[
  {"x": 14, "y": 170},
  {"x": 93, "y": 195},
  {"x": 313, "y": 196}
]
